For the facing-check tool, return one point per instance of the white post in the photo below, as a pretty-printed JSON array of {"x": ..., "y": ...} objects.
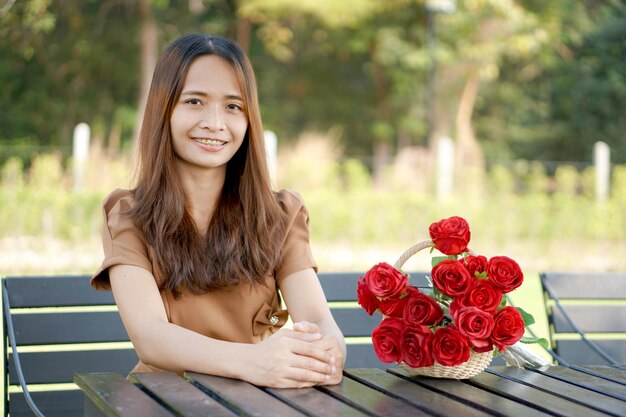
[
  {"x": 271, "y": 152},
  {"x": 445, "y": 167},
  {"x": 602, "y": 165},
  {"x": 80, "y": 153}
]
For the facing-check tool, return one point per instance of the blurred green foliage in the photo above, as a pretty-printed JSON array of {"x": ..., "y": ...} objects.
[
  {"x": 552, "y": 74},
  {"x": 516, "y": 204}
]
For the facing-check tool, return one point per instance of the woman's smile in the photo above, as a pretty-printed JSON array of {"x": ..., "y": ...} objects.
[{"x": 213, "y": 143}]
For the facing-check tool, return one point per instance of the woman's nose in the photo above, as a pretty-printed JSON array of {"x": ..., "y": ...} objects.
[{"x": 212, "y": 118}]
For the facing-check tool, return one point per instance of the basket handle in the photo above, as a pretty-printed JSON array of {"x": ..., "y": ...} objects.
[
  {"x": 416, "y": 248},
  {"x": 412, "y": 251}
]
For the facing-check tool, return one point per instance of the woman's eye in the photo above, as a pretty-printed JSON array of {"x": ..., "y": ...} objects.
[
  {"x": 234, "y": 106},
  {"x": 194, "y": 101}
]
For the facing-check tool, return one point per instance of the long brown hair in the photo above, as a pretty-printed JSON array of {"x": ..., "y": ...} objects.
[{"x": 246, "y": 232}]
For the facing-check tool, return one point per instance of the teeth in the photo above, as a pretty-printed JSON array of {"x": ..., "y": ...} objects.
[{"x": 210, "y": 142}]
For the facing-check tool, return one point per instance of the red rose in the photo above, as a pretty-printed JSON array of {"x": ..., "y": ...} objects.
[
  {"x": 393, "y": 307},
  {"x": 475, "y": 264},
  {"x": 386, "y": 340},
  {"x": 416, "y": 346},
  {"x": 484, "y": 295},
  {"x": 508, "y": 327},
  {"x": 385, "y": 281},
  {"x": 421, "y": 309},
  {"x": 505, "y": 273},
  {"x": 449, "y": 347},
  {"x": 477, "y": 326},
  {"x": 450, "y": 236},
  {"x": 365, "y": 297},
  {"x": 451, "y": 278}
]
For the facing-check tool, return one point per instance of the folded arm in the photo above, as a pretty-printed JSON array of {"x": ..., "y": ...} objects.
[{"x": 286, "y": 359}]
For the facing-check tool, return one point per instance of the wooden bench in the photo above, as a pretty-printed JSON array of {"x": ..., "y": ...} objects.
[
  {"x": 61, "y": 326},
  {"x": 587, "y": 316}
]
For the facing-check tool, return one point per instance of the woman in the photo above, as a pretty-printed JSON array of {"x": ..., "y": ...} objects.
[{"x": 196, "y": 252}]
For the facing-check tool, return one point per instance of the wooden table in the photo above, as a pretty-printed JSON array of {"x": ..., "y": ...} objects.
[{"x": 501, "y": 391}]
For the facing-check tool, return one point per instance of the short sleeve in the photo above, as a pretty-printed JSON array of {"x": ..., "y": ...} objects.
[
  {"x": 297, "y": 253},
  {"x": 121, "y": 240}
]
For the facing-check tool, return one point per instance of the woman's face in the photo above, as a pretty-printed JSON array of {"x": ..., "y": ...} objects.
[{"x": 208, "y": 123}]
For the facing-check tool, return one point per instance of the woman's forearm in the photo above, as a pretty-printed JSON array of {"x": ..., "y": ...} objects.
[{"x": 171, "y": 347}]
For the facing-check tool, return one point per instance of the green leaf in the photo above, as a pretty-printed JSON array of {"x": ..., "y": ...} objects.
[
  {"x": 437, "y": 259},
  {"x": 528, "y": 318},
  {"x": 542, "y": 341}
]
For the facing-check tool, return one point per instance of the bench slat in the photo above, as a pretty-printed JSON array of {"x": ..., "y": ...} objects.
[
  {"x": 50, "y": 403},
  {"x": 55, "y": 291},
  {"x": 587, "y": 285},
  {"x": 59, "y": 367},
  {"x": 355, "y": 322},
  {"x": 579, "y": 353},
  {"x": 341, "y": 286},
  {"x": 59, "y": 328},
  {"x": 591, "y": 318}
]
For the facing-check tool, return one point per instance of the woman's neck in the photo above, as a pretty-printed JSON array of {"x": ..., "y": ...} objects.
[{"x": 202, "y": 189}]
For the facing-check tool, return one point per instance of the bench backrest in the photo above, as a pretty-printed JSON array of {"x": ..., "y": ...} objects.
[
  {"x": 596, "y": 305},
  {"x": 63, "y": 326}
]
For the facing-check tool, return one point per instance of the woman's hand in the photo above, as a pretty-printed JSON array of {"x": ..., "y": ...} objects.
[
  {"x": 331, "y": 345},
  {"x": 290, "y": 359}
]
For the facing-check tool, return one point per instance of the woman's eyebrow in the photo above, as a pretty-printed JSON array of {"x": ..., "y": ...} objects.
[{"x": 203, "y": 94}]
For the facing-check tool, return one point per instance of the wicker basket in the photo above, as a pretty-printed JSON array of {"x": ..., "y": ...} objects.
[{"x": 477, "y": 362}]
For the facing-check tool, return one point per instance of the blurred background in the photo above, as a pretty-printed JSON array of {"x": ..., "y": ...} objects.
[{"x": 388, "y": 115}]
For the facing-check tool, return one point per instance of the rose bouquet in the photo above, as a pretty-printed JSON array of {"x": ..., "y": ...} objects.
[{"x": 455, "y": 328}]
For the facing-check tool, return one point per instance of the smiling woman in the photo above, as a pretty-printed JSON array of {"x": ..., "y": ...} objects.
[{"x": 196, "y": 253}]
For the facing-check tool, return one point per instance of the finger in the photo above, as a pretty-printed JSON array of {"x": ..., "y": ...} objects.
[
  {"x": 307, "y": 327},
  {"x": 306, "y": 337},
  {"x": 320, "y": 356},
  {"x": 327, "y": 343},
  {"x": 311, "y": 364},
  {"x": 299, "y": 383}
]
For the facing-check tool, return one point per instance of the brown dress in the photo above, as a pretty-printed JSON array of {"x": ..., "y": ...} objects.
[{"x": 246, "y": 313}]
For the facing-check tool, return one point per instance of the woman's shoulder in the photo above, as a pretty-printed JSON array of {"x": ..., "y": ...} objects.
[
  {"x": 120, "y": 198},
  {"x": 290, "y": 200}
]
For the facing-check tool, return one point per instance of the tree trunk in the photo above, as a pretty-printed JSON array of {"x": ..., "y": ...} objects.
[
  {"x": 381, "y": 146},
  {"x": 381, "y": 160},
  {"x": 468, "y": 152},
  {"x": 243, "y": 33},
  {"x": 149, "y": 44}
]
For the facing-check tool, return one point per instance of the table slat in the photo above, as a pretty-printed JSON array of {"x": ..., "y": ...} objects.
[
  {"x": 371, "y": 400},
  {"x": 115, "y": 396},
  {"x": 472, "y": 395},
  {"x": 566, "y": 390},
  {"x": 242, "y": 398},
  {"x": 179, "y": 395},
  {"x": 419, "y": 396},
  {"x": 533, "y": 397},
  {"x": 594, "y": 383},
  {"x": 608, "y": 371},
  {"x": 315, "y": 402}
]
